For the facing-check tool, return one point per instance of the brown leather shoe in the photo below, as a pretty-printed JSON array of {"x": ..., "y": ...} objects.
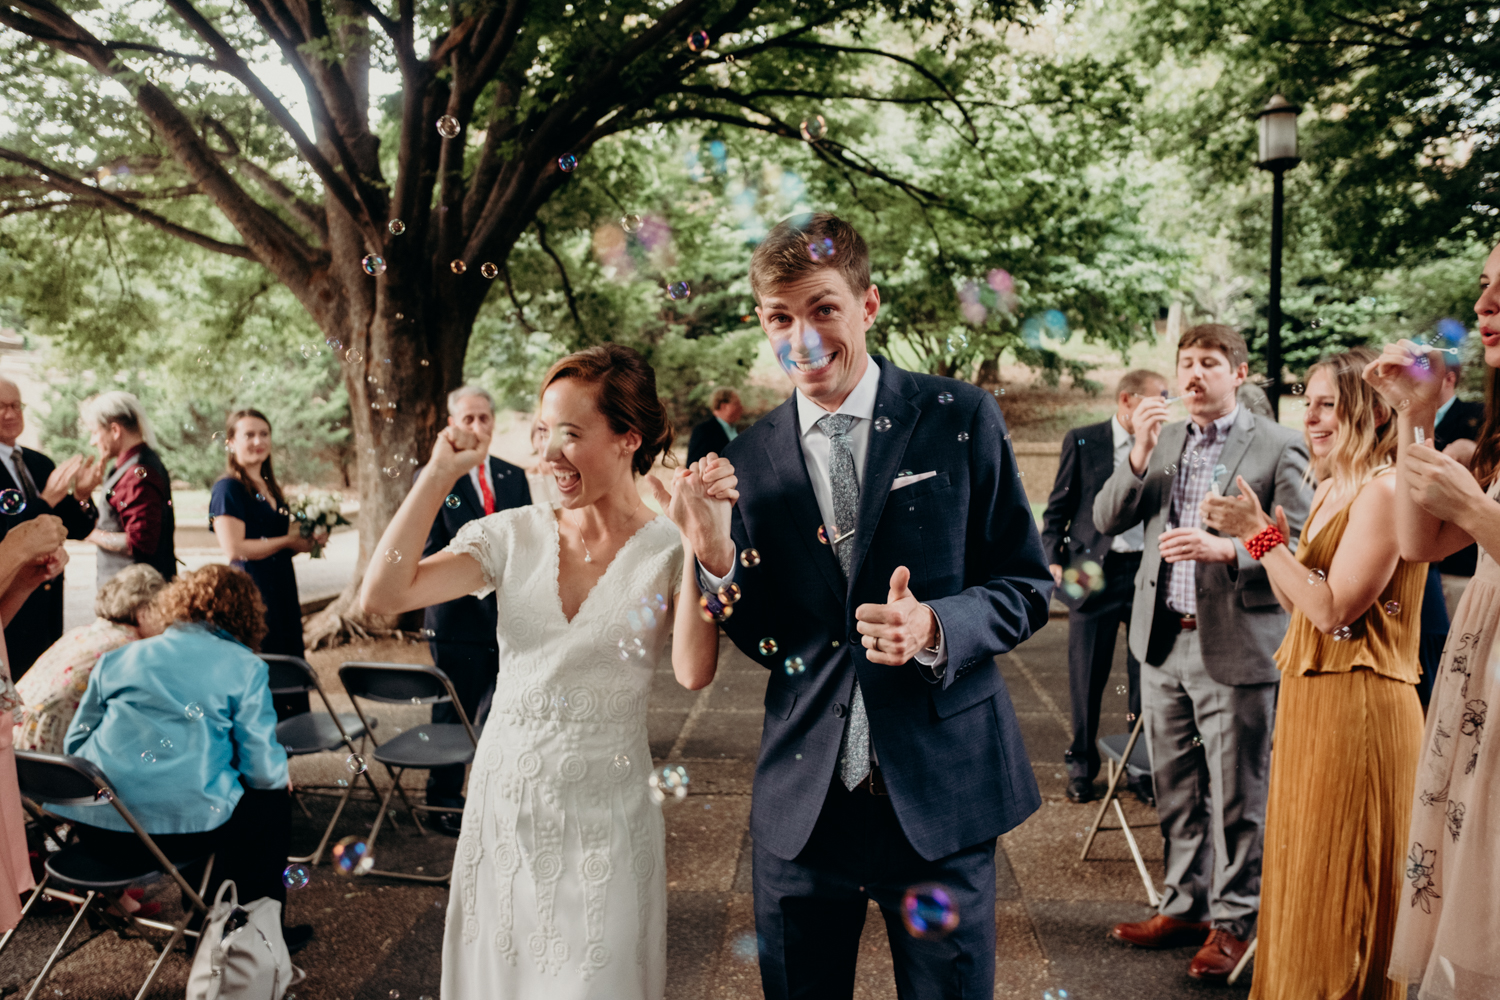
[
  {"x": 1161, "y": 932},
  {"x": 1218, "y": 956}
]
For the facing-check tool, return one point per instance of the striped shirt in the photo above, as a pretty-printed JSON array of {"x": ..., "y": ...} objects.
[{"x": 1195, "y": 476}]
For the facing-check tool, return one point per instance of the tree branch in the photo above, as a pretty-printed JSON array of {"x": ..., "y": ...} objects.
[{"x": 541, "y": 235}]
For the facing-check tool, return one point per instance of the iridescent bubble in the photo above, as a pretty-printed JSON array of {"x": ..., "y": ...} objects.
[
  {"x": 457, "y": 266},
  {"x": 295, "y": 876},
  {"x": 104, "y": 795},
  {"x": 825, "y": 536},
  {"x": 768, "y": 646},
  {"x": 1452, "y": 330},
  {"x": 12, "y": 502},
  {"x": 697, "y": 40},
  {"x": 140, "y": 472},
  {"x": 394, "y": 995},
  {"x": 668, "y": 783},
  {"x": 373, "y": 263},
  {"x": 1316, "y": 577},
  {"x": 393, "y": 556},
  {"x": 632, "y": 647},
  {"x": 1342, "y": 633},
  {"x": 342, "y": 783},
  {"x": 1119, "y": 689},
  {"x": 488, "y": 270},
  {"x": 1054, "y": 995},
  {"x": 1298, "y": 389},
  {"x": 1392, "y": 607},
  {"x": 448, "y": 127},
  {"x": 882, "y": 423},
  {"x": 567, "y": 163},
  {"x": 1031, "y": 331},
  {"x": 749, "y": 558},
  {"x": 814, "y": 128},
  {"x": 712, "y": 609},
  {"x": 453, "y": 502},
  {"x": 334, "y": 344},
  {"x": 619, "y": 767},
  {"x": 351, "y": 856},
  {"x": 964, "y": 436},
  {"x": 945, "y": 397},
  {"x": 423, "y": 737},
  {"x": 396, "y": 227},
  {"x": 1000, "y": 281},
  {"x": 729, "y": 593},
  {"x": 821, "y": 249},
  {"x": 1055, "y": 320},
  {"x": 355, "y": 763},
  {"x": 147, "y": 757},
  {"x": 1316, "y": 323},
  {"x": 630, "y": 223},
  {"x": 928, "y": 912},
  {"x": 165, "y": 743},
  {"x": 192, "y": 711},
  {"x": 1169, "y": 470},
  {"x": 794, "y": 665},
  {"x": 679, "y": 290},
  {"x": 958, "y": 343},
  {"x": 390, "y": 471},
  {"x": 1197, "y": 740}
]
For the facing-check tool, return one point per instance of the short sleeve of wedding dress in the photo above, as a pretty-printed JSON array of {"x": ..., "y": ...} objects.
[{"x": 488, "y": 541}]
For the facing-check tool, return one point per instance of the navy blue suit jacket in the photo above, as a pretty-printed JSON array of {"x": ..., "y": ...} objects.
[
  {"x": 949, "y": 748},
  {"x": 468, "y": 619}
]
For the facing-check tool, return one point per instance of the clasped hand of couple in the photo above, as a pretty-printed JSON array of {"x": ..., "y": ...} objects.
[{"x": 699, "y": 501}]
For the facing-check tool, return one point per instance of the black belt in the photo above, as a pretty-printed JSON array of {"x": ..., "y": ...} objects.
[{"x": 873, "y": 783}]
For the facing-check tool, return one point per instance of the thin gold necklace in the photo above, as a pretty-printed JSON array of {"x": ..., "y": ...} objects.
[{"x": 588, "y": 556}]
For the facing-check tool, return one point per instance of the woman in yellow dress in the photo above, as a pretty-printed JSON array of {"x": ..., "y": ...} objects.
[{"x": 1348, "y": 723}]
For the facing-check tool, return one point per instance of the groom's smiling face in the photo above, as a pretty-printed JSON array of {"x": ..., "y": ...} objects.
[{"x": 816, "y": 324}]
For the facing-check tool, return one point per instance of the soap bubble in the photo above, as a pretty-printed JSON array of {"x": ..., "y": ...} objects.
[
  {"x": 12, "y": 502},
  {"x": 632, "y": 647},
  {"x": 957, "y": 343},
  {"x": 668, "y": 782},
  {"x": 1298, "y": 389},
  {"x": 945, "y": 397},
  {"x": 1342, "y": 633},
  {"x": 351, "y": 856},
  {"x": 882, "y": 423},
  {"x": 393, "y": 556},
  {"x": 1055, "y": 321},
  {"x": 1451, "y": 330},
  {"x": 729, "y": 593},
  {"x": 165, "y": 743},
  {"x": 447, "y": 127},
  {"x": 1197, "y": 740},
  {"x": 794, "y": 665},
  {"x": 821, "y": 250},
  {"x": 630, "y": 223},
  {"x": 353, "y": 356},
  {"x": 395, "y": 995},
  {"x": 1393, "y": 607},
  {"x": 488, "y": 270},
  {"x": 619, "y": 767},
  {"x": 1119, "y": 689},
  {"x": 104, "y": 795},
  {"x": 567, "y": 163},
  {"x": 294, "y": 876},
  {"x": 679, "y": 290},
  {"x": 1055, "y": 995},
  {"x": 390, "y": 471},
  {"x": 928, "y": 912},
  {"x": 1316, "y": 577},
  {"x": 964, "y": 436},
  {"x": 697, "y": 40},
  {"x": 373, "y": 263},
  {"x": 1031, "y": 331},
  {"x": 140, "y": 472},
  {"x": 814, "y": 128},
  {"x": 1169, "y": 470},
  {"x": 712, "y": 609},
  {"x": 749, "y": 558},
  {"x": 192, "y": 711},
  {"x": 457, "y": 266},
  {"x": 355, "y": 763},
  {"x": 768, "y": 646},
  {"x": 1316, "y": 323},
  {"x": 423, "y": 737},
  {"x": 1000, "y": 281},
  {"x": 453, "y": 502},
  {"x": 826, "y": 533},
  {"x": 147, "y": 757},
  {"x": 396, "y": 227}
]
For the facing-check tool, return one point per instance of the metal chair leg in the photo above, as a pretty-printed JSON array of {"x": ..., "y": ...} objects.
[
  {"x": 52, "y": 959},
  {"x": 1114, "y": 784},
  {"x": 316, "y": 857},
  {"x": 1135, "y": 852},
  {"x": 1239, "y": 966},
  {"x": 177, "y": 931},
  {"x": 35, "y": 895}
]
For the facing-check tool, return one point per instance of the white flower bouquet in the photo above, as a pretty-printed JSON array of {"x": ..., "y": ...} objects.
[{"x": 315, "y": 512}]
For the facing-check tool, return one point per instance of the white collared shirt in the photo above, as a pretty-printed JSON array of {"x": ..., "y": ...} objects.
[
  {"x": 11, "y": 455},
  {"x": 474, "y": 480},
  {"x": 1133, "y": 540},
  {"x": 859, "y": 404}
]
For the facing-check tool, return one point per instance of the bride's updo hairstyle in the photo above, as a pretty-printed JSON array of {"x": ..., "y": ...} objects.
[{"x": 625, "y": 392}]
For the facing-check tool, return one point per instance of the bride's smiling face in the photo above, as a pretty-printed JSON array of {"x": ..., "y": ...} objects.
[{"x": 583, "y": 453}]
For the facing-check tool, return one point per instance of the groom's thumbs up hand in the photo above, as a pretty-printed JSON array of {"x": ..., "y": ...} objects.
[{"x": 897, "y": 630}]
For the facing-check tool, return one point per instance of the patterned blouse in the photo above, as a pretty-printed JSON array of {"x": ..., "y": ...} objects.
[{"x": 50, "y": 691}]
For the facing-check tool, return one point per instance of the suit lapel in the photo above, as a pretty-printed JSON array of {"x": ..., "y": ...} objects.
[
  {"x": 883, "y": 458},
  {"x": 8, "y": 481},
  {"x": 783, "y": 448},
  {"x": 1240, "y": 436}
]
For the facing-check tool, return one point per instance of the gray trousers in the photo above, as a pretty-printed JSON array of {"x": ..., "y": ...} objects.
[{"x": 1210, "y": 749}]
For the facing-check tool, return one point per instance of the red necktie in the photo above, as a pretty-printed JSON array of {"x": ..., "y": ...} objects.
[{"x": 485, "y": 491}]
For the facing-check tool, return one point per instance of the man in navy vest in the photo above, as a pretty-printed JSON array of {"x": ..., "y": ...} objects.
[
  {"x": 881, "y": 555},
  {"x": 461, "y": 633}
]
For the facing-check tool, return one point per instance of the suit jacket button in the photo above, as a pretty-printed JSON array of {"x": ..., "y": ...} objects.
[
  {"x": 855, "y": 638},
  {"x": 838, "y": 710}
]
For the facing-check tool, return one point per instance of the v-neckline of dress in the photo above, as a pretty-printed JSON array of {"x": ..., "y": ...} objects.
[{"x": 557, "y": 566}]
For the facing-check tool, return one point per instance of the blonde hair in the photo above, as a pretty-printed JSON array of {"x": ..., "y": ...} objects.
[
  {"x": 128, "y": 593},
  {"x": 1364, "y": 445},
  {"x": 118, "y": 407}
]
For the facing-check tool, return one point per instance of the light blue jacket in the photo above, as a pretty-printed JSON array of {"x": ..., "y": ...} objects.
[{"x": 175, "y": 721}]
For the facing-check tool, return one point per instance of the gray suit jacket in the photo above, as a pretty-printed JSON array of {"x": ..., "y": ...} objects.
[{"x": 1239, "y": 619}]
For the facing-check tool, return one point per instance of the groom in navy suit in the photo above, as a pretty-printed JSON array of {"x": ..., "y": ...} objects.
[{"x": 884, "y": 553}]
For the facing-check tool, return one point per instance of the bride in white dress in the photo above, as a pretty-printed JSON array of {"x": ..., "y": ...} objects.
[{"x": 559, "y": 886}]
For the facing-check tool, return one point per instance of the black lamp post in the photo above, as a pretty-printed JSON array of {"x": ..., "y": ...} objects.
[{"x": 1278, "y": 154}]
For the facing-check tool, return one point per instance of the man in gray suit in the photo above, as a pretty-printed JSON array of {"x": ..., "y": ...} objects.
[{"x": 1205, "y": 626}]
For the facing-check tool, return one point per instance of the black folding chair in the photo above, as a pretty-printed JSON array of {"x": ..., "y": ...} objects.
[
  {"x": 316, "y": 732},
  {"x": 1123, "y": 754},
  {"x": 432, "y": 744},
  {"x": 73, "y": 781}
]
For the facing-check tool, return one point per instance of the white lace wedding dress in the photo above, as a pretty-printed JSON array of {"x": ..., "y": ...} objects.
[{"x": 559, "y": 885}]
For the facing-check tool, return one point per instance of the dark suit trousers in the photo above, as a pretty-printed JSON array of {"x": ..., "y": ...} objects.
[
  {"x": 37, "y": 625},
  {"x": 472, "y": 668},
  {"x": 1091, "y": 653},
  {"x": 809, "y": 912}
]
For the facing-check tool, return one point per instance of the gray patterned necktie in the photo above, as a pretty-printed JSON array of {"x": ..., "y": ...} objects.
[{"x": 843, "y": 484}]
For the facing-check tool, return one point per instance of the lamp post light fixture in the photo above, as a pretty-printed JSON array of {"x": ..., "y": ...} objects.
[{"x": 1277, "y": 123}]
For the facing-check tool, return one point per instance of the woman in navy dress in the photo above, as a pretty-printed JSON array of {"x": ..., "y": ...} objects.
[{"x": 249, "y": 517}]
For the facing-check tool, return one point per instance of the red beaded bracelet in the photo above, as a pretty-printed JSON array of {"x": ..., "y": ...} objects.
[{"x": 1264, "y": 541}]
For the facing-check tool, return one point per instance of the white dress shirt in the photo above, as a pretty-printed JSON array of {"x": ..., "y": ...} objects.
[
  {"x": 1133, "y": 540},
  {"x": 474, "y": 480},
  {"x": 10, "y": 454},
  {"x": 859, "y": 404}
]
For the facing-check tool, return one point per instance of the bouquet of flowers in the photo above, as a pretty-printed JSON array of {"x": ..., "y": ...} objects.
[{"x": 316, "y": 512}]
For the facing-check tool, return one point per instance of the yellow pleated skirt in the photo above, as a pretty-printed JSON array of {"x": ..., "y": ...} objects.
[{"x": 1342, "y": 774}]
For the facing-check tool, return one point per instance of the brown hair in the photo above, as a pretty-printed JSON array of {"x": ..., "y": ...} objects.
[
  {"x": 721, "y": 397},
  {"x": 1218, "y": 337},
  {"x": 234, "y": 470},
  {"x": 1487, "y": 450},
  {"x": 625, "y": 392},
  {"x": 796, "y": 247},
  {"x": 1137, "y": 381},
  {"x": 218, "y": 595},
  {"x": 128, "y": 593},
  {"x": 1365, "y": 443}
]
